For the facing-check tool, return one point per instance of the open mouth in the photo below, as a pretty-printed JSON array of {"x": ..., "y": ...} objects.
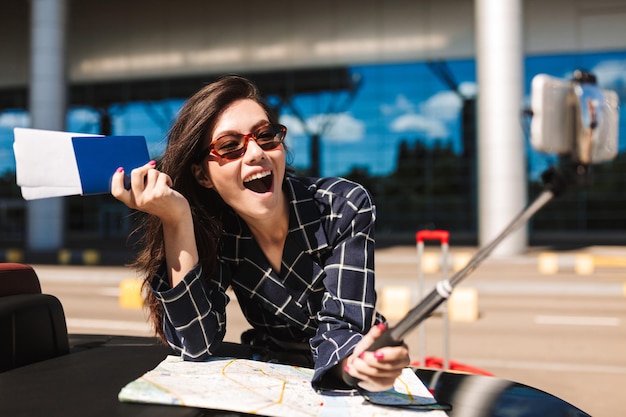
[{"x": 259, "y": 183}]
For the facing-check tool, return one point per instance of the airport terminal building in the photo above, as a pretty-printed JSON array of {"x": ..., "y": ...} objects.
[{"x": 425, "y": 102}]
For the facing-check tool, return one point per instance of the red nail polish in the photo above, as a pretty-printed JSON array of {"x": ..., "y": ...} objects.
[
  {"x": 120, "y": 169},
  {"x": 381, "y": 326},
  {"x": 379, "y": 355},
  {"x": 346, "y": 368},
  {"x": 362, "y": 355},
  {"x": 153, "y": 163}
]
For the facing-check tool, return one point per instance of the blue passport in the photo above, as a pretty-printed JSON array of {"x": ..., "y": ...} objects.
[{"x": 98, "y": 157}]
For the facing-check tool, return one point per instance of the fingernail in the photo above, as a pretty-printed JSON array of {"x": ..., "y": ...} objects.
[
  {"x": 346, "y": 368},
  {"x": 362, "y": 355},
  {"x": 379, "y": 355},
  {"x": 120, "y": 169},
  {"x": 381, "y": 326},
  {"x": 153, "y": 163}
]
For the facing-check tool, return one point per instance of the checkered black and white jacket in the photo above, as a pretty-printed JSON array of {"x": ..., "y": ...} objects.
[{"x": 324, "y": 294}]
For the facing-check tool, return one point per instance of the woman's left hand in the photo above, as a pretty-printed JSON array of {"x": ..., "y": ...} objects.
[{"x": 376, "y": 370}]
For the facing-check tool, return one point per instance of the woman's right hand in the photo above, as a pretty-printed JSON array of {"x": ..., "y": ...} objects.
[
  {"x": 377, "y": 370},
  {"x": 151, "y": 192}
]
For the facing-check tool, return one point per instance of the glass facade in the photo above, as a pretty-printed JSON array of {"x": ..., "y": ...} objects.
[{"x": 407, "y": 131}]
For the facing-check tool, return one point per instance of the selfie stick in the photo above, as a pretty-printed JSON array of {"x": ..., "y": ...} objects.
[
  {"x": 443, "y": 289},
  {"x": 574, "y": 170},
  {"x": 555, "y": 183}
]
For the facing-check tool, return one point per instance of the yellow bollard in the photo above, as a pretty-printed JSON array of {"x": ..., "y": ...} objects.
[
  {"x": 430, "y": 263},
  {"x": 64, "y": 256},
  {"x": 608, "y": 261},
  {"x": 130, "y": 293},
  {"x": 395, "y": 302},
  {"x": 548, "y": 263},
  {"x": 14, "y": 255},
  {"x": 584, "y": 264},
  {"x": 91, "y": 257},
  {"x": 461, "y": 260},
  {"x": 463, "y": 305}
]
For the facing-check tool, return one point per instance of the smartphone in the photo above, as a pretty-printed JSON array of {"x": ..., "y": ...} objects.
[
  {"x": 574, "y": 118},
  {"x": 552, "y": 121}
]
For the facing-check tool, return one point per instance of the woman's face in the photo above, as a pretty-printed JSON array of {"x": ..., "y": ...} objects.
[{"x": 251, "y": 184}]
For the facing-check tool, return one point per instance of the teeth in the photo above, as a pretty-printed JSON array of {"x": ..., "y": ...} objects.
[{"x": 258, "y": 176}]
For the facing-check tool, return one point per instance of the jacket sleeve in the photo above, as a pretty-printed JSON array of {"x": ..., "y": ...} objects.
[
  {"x": 194, "y": 312},
  {"x": 348, "y": 308}
]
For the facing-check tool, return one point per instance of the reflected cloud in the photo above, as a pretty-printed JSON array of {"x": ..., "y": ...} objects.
[
  {"x": 431, "y": 128},
  {"x": 444, "y": 105},
  {"x": 429, "y": 118},
  {"x": 337, "y": 128},
  {"x": 341, "y": 127},
  {"x": 611, "y": 73},
  {"x": 401, "y": 105},
  {"x": 293, "y": 124},
  {"x": 84, "y": 115},
  {"x": 11, "y": 119}
]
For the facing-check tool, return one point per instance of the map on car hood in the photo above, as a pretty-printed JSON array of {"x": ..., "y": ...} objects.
[{"x": 261, "y": 388}]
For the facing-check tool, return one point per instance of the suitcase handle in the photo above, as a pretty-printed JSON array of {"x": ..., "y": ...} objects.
[{"x": 442, "y": 235}]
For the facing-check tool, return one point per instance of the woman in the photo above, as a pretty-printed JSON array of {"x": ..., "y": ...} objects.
[{"x": 298, "y": 252}]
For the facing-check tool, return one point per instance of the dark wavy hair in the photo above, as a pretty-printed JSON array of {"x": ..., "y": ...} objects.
[{"x": 186, "y": 140}]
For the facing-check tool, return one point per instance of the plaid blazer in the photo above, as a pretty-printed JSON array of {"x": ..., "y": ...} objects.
[{"x": 323, "y": 295}]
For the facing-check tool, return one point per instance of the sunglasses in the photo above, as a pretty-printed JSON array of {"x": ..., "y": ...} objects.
[{"x": 234, "y": 145}]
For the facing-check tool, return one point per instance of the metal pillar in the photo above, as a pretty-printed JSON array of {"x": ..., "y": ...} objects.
[
  {"x": 502, "y": 176},
  {"x": 47, "y": 102}
]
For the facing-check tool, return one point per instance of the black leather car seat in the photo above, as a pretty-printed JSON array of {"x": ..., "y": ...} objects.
[{"x": 32, "y": 324}]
